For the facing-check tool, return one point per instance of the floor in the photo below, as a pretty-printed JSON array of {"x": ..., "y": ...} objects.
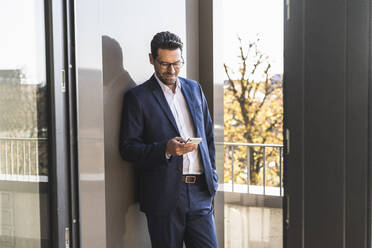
[{"x": 253, "y": 227}]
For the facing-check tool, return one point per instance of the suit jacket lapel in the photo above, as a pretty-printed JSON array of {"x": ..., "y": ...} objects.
[
  {"x": 189, "y": 97},
  {"x": 159, "y": 96}
]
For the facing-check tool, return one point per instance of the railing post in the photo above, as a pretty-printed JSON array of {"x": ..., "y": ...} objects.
[
  {"x": 24, "y": 157},
  {"x": 264, "y": 170},
  {"x": 280, "y": 170},
  {"x": 226, "y": 160},
  {"x": 17, "y": 161},
  {"x": 37, "y": 157},
  {"x": 0, "y": 155},
  {"x": 29, "y": 160},
  {"x": 232, "y": 168},
  {"x": 6, "y": 157},
  {"x": 248, "y": 167},
  {"x": 11, "y": 157}
]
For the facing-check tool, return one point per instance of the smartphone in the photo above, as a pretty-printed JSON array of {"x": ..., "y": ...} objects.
[{"x": 194, "y": 141}]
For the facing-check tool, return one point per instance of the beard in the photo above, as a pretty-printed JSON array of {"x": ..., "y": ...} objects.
[{"x": 167, "y": 78}]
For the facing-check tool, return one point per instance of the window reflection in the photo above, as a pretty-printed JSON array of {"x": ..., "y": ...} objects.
[{"x": 23, "y": 126}]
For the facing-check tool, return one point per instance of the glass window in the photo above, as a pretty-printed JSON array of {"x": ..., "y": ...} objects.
[
  {"x": 24, "y": 218},
  {"x": 252, "y": 68}
]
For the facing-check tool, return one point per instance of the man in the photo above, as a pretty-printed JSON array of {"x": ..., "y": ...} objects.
[{"x": 177, "y": 180}]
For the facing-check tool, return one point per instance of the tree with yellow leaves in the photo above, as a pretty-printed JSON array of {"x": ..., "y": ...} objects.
[{"x": 253, "y": 113}]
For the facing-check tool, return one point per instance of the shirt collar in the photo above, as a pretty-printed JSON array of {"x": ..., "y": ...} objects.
[{"x": 165, "y": 88}]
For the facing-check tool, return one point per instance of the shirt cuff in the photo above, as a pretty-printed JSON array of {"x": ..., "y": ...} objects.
[{"x": 167, "y": 156}]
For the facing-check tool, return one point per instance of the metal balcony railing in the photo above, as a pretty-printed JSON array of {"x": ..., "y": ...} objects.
[
  {"x": 230, "y": 163},
  {"x": 20, "y": 159}
]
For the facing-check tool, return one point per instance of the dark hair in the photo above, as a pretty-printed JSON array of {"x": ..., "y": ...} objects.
[{"x": 165, "y": 40}]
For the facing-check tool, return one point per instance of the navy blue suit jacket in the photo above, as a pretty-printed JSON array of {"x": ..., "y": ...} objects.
[{"x": 147, "y": 125}]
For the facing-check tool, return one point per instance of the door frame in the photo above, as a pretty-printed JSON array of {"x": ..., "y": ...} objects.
[{"x": 62, "y": 135}]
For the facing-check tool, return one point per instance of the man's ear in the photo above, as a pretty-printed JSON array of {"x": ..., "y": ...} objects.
[{"x": 151, "y": 58}]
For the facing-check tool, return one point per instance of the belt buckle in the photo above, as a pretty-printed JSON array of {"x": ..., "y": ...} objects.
[{"x": 190, "y": 179}]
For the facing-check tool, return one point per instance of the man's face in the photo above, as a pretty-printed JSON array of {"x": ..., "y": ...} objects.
[{"x": 167, "y": 65}]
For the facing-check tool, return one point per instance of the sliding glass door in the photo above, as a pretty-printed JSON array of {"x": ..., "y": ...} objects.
[
  {"x": 34, "y": 151},
  {"x": 24, "y": 132}
]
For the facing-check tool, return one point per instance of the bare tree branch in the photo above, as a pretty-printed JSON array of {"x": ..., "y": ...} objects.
[{"x": 231, "y": 82}]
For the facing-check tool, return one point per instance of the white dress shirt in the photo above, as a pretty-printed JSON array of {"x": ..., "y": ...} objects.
[{"x": 181, "y": 113}]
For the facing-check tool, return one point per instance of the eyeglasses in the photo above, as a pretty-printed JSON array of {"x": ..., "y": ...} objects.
[{"x": 176, "y": 65}]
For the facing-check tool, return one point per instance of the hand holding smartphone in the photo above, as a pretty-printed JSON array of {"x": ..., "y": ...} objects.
[{"x": 194, "y": 141}]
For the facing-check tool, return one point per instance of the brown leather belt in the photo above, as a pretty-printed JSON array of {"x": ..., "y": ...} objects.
[{"x": 192, "y": 178}]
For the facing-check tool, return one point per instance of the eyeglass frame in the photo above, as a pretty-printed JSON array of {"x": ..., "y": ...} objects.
[{"x": 176, "y": 65}]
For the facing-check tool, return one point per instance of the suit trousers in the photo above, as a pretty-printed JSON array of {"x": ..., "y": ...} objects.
[{"x": 191, "y": 222}]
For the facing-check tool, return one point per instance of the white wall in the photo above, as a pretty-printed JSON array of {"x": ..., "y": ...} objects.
[{"x": 127, "y": 28}]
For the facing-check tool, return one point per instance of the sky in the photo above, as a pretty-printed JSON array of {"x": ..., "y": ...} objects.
[
  {"x": 249, "y": 18},
  {"x": 23, "y": 46}
]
